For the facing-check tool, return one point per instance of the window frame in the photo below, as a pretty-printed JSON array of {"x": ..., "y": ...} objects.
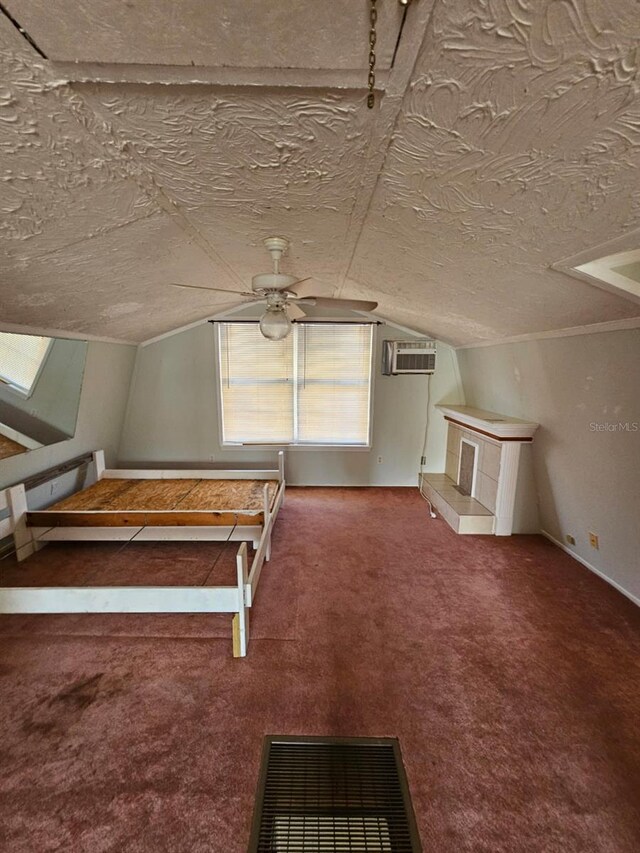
[{"x": 297, "y": 446}]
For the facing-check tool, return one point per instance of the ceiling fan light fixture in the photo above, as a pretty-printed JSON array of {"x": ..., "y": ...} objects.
[
  {"x": 281, "y": 291},
  {"x": 274, "y": 323}
]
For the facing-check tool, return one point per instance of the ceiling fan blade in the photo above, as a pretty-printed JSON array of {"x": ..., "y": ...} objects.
[
  {"x": 214, "y": 289},
  {"x": 299, "y": 288},
  {"x": 225, "y": 307},
  {"x": 350, "y": 304},
  {"x": 294, "y": 311}
]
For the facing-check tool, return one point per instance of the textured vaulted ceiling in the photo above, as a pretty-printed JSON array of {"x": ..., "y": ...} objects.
[{"x": 149, "y": 143}]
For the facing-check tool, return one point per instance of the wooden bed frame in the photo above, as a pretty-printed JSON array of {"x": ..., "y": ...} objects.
[{"x": 32, "y": 530}]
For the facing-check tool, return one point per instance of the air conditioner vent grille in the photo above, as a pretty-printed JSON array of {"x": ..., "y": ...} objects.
[
  {"x": 416, "y": 361},
  {"x": 408, "y": 357},
  {"x": 333, "y": 795}
]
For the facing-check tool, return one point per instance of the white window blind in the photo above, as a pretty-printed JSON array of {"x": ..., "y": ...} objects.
[
  {"x": 334, "y": 377},
  {"x": 21, "y": 357},
  {"x": 256, "y": 385},
  {"x": 314, "y": 387}
]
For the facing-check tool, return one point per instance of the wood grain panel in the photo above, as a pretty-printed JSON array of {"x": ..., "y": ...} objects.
[
  {"x": 175, "y": 518},
  {"x": 151, "y": 494},
  {"x": 229, "y": 494},
  {"x": 94, "y": 497},
  {"x": 160, "y": 503},
  {"x": 184, "y": 494}
]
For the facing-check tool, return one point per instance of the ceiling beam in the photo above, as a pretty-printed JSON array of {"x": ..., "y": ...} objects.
[
  {"x": 413, "y": 33},
  {"x": 190, "y": 75}
]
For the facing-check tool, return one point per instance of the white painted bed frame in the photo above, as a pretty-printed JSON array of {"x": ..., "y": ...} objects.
[{"x": 159, "y": 599}]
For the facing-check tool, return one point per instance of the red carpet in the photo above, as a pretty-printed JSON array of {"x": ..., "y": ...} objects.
[{"x": 509, "y": 672}]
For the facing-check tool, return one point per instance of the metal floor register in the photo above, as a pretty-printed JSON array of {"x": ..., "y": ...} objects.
[{"x": 333, "y": 795}]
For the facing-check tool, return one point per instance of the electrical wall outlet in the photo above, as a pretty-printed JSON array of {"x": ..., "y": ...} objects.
[
  {"x": 423, "y": 460},
  {"x": 379, "y": 459},
  {"x": 593, "y": 540},
  {"x": 571, "y": 540}
]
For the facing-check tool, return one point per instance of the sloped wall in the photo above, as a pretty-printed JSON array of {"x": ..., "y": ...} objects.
[{"x": 585, "y": 393}]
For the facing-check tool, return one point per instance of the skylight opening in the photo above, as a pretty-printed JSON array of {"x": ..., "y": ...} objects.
[
  {"x": 621, "y": 270},
  {"x": 22, "y": 358}
]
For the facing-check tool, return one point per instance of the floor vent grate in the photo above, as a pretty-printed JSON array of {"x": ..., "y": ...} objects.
[{"x": 333, "y": 795}]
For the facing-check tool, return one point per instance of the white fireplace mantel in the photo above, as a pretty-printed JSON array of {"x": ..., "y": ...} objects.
[
  {"x": 492, "y": 424},
  {"x": 511, "y": 434}
]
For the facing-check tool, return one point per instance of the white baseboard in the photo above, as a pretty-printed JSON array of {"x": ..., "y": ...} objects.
[
  {"x": 351, "y": 485},
  {"x": 591, "y": 568}
]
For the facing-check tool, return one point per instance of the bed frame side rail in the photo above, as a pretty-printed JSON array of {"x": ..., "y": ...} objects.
[
  {"x": 248, "y": 580},
  {"x": 263, "y": 552},
  {"x": 189, "y": 474},
  {"x": 119, "y": 599}
]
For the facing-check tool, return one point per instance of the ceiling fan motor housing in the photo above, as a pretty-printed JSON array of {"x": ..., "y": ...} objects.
[{"x": 272, "y": 281}]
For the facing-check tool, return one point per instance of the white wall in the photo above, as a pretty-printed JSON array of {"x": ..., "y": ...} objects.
[
  {"x": 55, "y": 398},
  {"x": 587, "y": 480},
  {"x": 102, "y": 407},
  {"x": 172, "y": 417}
]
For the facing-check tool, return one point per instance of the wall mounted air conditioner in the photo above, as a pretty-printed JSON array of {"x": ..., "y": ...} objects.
[{"x": 408, "y": 357}]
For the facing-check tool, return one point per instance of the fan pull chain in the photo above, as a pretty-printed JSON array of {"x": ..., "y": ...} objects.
[{"x": 373, "y": 17}]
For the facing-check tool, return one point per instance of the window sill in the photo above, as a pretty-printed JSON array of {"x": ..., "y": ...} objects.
[{"x": 296, "y": 447}]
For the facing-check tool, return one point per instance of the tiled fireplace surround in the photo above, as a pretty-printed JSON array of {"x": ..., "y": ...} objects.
[
  {"x": 497, "y": 439},
  {"x": 487, "y": 463}
]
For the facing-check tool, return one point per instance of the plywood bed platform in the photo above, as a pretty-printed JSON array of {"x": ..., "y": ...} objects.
[
  {"x": 151, "y": 505},
  {"x": 180, "y": 502}
]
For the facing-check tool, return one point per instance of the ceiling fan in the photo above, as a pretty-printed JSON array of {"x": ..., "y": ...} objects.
[{"x": 284, "y": 294}]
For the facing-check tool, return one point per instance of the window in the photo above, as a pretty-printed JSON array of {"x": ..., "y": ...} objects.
[
  {"x": 21, "y": 359},
  {"x": 312, "y": 388}
]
